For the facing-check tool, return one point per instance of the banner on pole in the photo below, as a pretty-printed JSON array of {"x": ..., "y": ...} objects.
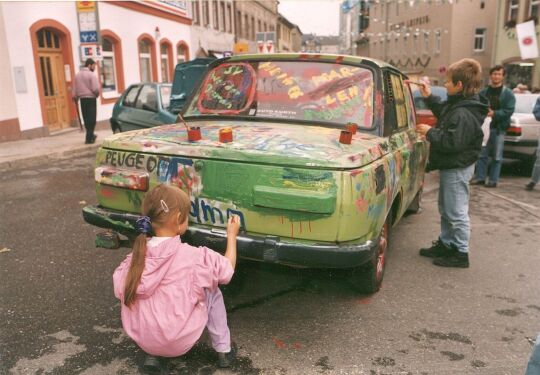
[{"x": 526, "y": 35}]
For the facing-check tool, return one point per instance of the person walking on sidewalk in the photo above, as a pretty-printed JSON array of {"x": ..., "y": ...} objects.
[
  {"x": 455, "y": 143},
  {"x": 536, "y": 169},
  {"x": 86, "y": 89},
  {"x": 502, "y": 103}
]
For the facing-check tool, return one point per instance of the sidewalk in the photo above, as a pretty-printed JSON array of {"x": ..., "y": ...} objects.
[{"x": 28, "y": 152}]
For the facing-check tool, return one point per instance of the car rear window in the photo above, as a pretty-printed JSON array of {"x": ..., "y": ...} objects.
[{"x": 288, "y": 90}]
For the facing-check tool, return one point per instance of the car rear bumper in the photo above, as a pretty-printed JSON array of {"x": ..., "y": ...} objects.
[
  {"x": 520, "y": 149},
  {"x": 271, "y": 249}
]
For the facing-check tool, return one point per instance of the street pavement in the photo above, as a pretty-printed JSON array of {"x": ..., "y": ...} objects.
[{"x": 60, "y": 316}]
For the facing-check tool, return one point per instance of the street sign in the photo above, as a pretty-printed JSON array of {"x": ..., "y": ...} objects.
[
  {"x": 89, "y": 36},
  {"x": 91, "y": 51},
  {"x": 86, "y": 6}
]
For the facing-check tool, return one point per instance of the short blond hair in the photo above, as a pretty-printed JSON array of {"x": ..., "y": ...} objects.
[{"x": 469, "y": 72}]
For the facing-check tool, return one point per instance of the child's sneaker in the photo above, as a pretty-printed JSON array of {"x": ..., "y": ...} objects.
[
  {"x": 227, "y": 359},
  {"x": 152, "y": 365},
  {"x": 456, "y": 259},
  {"x": 437, "y": 249}
]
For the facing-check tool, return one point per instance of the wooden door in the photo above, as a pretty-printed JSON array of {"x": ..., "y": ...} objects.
[{"x": 51, "y": 64}]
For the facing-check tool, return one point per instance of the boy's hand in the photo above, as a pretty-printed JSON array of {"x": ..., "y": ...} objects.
[
  {"x": 422, "y": 129},
  {"x": 233, "y": 226},
  {"x": 425, "y": 89},
  {"x": 490, "y": 113}
]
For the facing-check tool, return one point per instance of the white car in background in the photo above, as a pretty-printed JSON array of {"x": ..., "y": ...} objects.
[{"x": 522, "y": 136}]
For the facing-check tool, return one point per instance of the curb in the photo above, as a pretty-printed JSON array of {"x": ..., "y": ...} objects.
[{"x": 37, "y": 160}]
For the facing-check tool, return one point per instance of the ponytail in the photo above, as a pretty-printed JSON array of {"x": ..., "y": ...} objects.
[{"x": 136, "y": 268}]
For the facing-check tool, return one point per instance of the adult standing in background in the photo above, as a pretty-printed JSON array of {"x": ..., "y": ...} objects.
[
  {"x": 86, "y": 88},
  {"x": 536, "y": 169},
  {"x": 502, "y": 103}
]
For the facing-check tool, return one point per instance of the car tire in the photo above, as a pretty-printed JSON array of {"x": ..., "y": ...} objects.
[
  {"x": 367, "y": 279},
  {"x": 414, "y": 206}
]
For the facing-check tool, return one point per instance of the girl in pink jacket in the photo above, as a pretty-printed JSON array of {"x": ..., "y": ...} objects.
[{"x": 169, "y": 289}]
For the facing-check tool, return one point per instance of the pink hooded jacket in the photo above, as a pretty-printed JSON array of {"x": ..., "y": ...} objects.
[{"x": 169, "y": 313}]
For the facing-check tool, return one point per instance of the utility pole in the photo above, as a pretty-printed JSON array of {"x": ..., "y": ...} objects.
[{"x": 386, "y": 3}]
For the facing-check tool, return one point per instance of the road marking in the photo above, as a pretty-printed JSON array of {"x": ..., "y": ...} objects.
[{"x": 522, "y": 205}]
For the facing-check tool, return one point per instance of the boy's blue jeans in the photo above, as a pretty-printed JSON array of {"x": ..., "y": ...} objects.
[
  {"x": 491, "y": 158},
  {"x": 454, "y": 207},
  {"x": 533, "y": 367}
]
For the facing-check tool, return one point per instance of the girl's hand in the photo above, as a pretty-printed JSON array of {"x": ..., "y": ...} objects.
[{"x": 233, "y": 226}]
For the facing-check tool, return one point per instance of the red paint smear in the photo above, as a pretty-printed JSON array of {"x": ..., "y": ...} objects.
[
  {"x": 356, "y": 172},
  {"x": 361, "y": 205},
  {"x": 107, "y": 193},
  {"x": 297, "y": 345},
  {"x": 339, "y": 59},
  {"x": 280, "y": 344},
  {"x": 364, "y": 301}
]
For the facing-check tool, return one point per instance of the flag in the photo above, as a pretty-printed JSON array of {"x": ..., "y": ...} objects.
[{"x": 528, "y": 45}]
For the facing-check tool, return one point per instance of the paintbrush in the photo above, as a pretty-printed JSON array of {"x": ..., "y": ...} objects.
[
  {"x": 183, "y": 121},
  {"x": 408, "y": 81}
]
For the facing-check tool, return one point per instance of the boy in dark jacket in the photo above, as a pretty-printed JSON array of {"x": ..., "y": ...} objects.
[{"x": 455, "y": 142}]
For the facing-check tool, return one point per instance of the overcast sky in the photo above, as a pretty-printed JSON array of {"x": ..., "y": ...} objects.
[{"x": 319, "y": 17}]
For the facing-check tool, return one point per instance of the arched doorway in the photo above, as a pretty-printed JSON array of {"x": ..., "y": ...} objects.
[{"x": 52, "y": 68}]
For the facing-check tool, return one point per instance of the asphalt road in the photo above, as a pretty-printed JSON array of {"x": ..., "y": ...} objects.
[{"x": 59, "y": 314}]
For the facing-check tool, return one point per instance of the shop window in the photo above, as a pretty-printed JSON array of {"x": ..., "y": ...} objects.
[
  {"x": 165, "y": 61},
  {"x": 145, "y": 60},
  {"x": 182, "y": 53},
  {"x": 108, "y": 67}
]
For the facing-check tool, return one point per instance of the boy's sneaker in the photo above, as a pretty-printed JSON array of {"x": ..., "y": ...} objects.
[
  {"x": 491, "y": 185},
  {"x": 437, "y": 250},
  {"x": 530, "y": 186},
  {"x": 456, "y": 259},
  {"x": 227, "y": 359},
  {"x": 477, "y": 182}
]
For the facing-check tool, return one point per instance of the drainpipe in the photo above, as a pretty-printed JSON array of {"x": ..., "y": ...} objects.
[{"x": 495, "y": 43}]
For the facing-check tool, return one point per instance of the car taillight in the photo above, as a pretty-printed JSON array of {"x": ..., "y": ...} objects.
[
  {"x": 134, "y": 180},
  {"x": 514, "y": 131}
]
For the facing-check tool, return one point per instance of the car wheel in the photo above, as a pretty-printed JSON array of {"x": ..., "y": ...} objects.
[
  {"x": 414, "y": 206},
  {"x": 367, "y": 279}
]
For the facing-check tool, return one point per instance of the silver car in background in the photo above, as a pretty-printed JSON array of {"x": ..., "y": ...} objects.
[{"x": 522, "y": 136}]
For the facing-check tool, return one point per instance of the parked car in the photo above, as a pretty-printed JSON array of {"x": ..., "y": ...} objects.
[
  {"x": 521, "y": 138},
  {"x": 145, "y": 105},
  {"x": 309, "y": 190},
  {"x": 423, "y": 113},
  {"x": 186, "y": 77}
]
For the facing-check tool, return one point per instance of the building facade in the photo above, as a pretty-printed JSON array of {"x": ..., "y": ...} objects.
[
  {"x": 422, "y": 38},
  {"x": 42, "y": 53},
  {"x": 251, "y": 18},
  {"x": 289, "y": 35},
  {"x": 506, "y": 49},
  {"x": 213, "y": 30}
]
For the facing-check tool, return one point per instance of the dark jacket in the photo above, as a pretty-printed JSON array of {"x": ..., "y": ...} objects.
[
  {"x": 501, "y": 117},
  {"x": 536, "y": 109},
  {"x": 456, "y": 141}
]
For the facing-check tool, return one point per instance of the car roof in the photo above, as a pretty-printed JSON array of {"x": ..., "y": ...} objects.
[{"x": 354, "y": 60}]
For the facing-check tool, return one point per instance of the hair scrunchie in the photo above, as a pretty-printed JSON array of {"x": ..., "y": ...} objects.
[{"x": 143, "y": 225}]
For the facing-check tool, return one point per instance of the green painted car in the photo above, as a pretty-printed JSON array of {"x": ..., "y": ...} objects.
[{"x": 317, "y": 154}]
